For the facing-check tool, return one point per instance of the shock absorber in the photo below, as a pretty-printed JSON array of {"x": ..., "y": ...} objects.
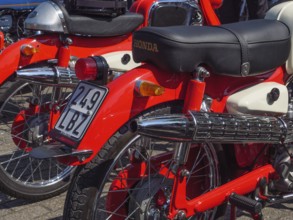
[{"x": 180, "y": 156}]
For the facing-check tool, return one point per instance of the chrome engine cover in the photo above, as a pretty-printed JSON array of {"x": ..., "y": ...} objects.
[
  {"x": 46, "y": 17},
  {"x": 183, "y": 12}
]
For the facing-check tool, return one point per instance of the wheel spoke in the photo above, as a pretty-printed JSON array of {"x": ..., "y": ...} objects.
[{"x": 13, "y": 159}]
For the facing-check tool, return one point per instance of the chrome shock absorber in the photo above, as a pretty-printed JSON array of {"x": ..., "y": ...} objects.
[{"x": 180, "y": 155}]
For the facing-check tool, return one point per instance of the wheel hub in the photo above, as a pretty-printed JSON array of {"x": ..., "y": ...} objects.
[
  {"x": 154, "y": 204},
  {"x": 37, "y": 130}
]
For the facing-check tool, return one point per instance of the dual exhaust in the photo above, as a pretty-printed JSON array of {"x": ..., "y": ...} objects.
[{"x": 217, "y": 128}]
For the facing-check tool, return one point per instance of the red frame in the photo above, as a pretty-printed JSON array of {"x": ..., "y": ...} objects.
[{"x": 242, "y": 185}]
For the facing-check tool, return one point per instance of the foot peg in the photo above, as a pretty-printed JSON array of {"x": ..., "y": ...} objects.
[{"x": 246, "y": 204}]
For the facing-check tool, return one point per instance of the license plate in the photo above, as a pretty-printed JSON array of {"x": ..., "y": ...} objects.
[{"x": 80, "y": 110}]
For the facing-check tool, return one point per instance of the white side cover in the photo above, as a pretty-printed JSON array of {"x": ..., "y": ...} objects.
[
  {"x": 114, "y": 61},
  {"x": 254, "y": 100},
  {"x": 284, "y": 12}
]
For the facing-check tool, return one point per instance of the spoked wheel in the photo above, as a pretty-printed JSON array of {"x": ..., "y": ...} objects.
[
  {"x": 139, "y": 181},
  {"x": 27, "y": 113}
]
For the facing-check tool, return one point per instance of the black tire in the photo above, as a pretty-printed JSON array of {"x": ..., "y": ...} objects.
[
  {"x": 81, "y": 196},
  {"x": 7, "y": 88},
  {"x": 20, "y": 175}
]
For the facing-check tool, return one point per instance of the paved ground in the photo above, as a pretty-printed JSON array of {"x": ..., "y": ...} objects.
[
  {"x": 51, "y": 209},
  {"x": 19, "y": 209}
]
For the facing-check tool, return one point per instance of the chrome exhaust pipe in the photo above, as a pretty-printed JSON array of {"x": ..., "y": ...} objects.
[
  {"x": 48, "y": 76},
  {"x": 172, "y": 127},
  {"x": 217, "y": 128}
]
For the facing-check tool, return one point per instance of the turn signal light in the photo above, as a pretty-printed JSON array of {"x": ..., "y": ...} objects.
[
  {"x": 145, "y": 88},
  {"x": 92, "y": 68},
  {"x": 29, "y": 50}
]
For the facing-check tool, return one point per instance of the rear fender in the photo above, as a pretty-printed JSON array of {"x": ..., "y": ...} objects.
[
  {"x": 11, "y": 58},
  {"x": 123, "y": 103}
]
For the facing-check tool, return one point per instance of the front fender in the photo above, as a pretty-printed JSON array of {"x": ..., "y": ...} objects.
[
  {"x": 11, "y": 58},
  {"x": 123, "y": 103}
]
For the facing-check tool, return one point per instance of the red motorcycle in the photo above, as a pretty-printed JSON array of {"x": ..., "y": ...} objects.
[
  {"x": 37, "y": 76},
  {"x": 207, "y": 120}
]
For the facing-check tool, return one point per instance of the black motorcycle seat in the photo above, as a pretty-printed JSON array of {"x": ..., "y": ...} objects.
[
  {"x": 263, "y": 44},
  {"x": 100, "y": 26}
]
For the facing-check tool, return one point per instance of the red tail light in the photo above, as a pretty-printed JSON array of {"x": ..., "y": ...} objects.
[
  {"x": 92, "y": 68},
  {"x": 86, "y": 69}
]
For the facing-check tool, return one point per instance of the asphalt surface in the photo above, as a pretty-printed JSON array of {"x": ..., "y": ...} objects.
[{"x": 52, "y": 209}]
